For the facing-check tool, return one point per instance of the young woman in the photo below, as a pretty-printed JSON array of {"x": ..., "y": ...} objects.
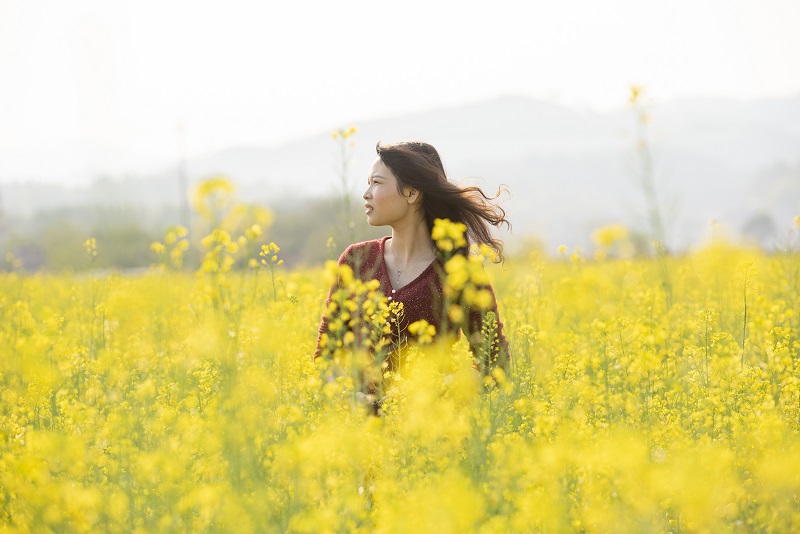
[{"x": 407, "y": 191}]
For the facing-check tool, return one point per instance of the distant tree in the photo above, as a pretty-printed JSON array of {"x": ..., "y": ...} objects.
[
  {"x": 125, "y": 247},
  {"x": 761, "y": 229}
]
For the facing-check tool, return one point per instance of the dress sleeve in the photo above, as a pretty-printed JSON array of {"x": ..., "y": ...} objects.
[
  {"x": 349, "y": 257},
  {"x": 486, "y": 338},
  {"x": 323, "y": 325}
]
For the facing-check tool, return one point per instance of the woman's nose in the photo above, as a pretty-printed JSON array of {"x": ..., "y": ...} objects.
[{"x": 366, "y": 194}]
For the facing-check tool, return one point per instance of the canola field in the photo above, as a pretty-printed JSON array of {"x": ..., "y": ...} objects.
[{"x": 644, "y": 395}]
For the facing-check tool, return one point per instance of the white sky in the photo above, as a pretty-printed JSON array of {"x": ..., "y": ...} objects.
[{"x": 100, "y": 86}]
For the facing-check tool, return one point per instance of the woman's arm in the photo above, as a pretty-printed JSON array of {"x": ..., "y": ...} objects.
[
  {"x": 353, "y": 257},
  {"x": 486, "y": 337},
  {"x": 323, "y": 325}
]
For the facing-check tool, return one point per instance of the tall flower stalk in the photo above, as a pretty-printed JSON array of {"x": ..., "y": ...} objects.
[
  {"x": 645, "y": 175},
  {"x": 346, "y": 145}
]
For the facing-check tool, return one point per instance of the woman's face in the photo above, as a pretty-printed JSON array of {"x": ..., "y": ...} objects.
[{"x": 385, "y": 206}]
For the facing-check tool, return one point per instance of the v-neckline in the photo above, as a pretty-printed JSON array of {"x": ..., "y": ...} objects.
[{"x": 393, "y": 289}]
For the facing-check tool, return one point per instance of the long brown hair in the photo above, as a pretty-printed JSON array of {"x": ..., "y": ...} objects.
[{"x": 418, "y": 165}]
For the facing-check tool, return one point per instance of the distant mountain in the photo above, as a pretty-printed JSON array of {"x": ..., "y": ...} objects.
[{"x": 568, "y": 171}]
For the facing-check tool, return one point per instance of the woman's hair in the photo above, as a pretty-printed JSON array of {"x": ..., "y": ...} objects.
[{"x": 418, "y": 165}]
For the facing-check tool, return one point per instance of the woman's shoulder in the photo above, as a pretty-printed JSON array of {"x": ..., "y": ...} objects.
[{"x": 363, "y": 252}]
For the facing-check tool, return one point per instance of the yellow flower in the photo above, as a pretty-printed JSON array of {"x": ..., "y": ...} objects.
[
  {"x": 456, "y": 314},
  {"x": 253, "y": 232},
  {"x": 483, "y": 299},
  {"x": 457, "y": 272},
  {"x": 423, "y": 331},
  {"x": 635, "y": 93},
  {"x": 607, "y": 236},
  {"x": 269, "y": 253},
  {"x": 343, "y": 133},
  {"x": 91, "y": 247},
  {"x": 213, "y": 196},
  {"x": 448, "y": 235}
]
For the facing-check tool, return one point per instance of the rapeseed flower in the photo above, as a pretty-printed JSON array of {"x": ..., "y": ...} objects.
[{"x": 172, "y": 401}]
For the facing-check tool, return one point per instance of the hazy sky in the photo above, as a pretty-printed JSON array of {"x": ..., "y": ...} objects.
[{"x": 88, "y": 87}]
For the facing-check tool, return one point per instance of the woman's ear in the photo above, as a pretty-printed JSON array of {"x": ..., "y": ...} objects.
[{"x": 413, "y": 195}]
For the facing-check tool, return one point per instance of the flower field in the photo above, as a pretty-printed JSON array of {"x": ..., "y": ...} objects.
[{"x": 643, "y": 396}]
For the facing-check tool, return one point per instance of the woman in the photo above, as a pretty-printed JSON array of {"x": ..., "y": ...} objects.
[{"x": 407, "y": 191}]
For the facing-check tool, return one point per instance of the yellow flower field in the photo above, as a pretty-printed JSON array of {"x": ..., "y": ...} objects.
[{"x": 176, "y": 401}]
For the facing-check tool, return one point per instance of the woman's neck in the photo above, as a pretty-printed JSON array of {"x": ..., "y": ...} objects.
[{"x": 410, "y": 242}]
